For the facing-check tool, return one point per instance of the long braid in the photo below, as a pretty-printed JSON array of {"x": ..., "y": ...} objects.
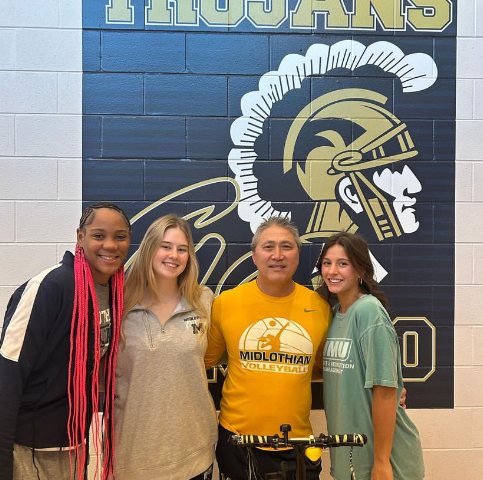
[
  {"x": 85, "y": 357},
  {"x": 81, "y": 402}
]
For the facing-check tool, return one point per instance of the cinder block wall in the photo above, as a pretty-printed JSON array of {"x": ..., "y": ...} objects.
[
  {"x": 40, "y": 136},
  {"x": 40, "y": 195}
]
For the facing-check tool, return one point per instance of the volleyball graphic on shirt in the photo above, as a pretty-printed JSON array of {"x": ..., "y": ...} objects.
[{"x": 277, "y": 345}]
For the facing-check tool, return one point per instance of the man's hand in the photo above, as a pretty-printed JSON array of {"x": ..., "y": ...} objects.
[{"x": 402, "y": 400}]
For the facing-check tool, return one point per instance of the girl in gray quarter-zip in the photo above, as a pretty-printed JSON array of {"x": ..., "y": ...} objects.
[{"x": 165, "y": 419}]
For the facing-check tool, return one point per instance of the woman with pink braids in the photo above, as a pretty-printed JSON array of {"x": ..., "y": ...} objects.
[{"x": 58, "y": 352}]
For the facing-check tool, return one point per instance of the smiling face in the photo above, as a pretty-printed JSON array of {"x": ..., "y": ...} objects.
[
  {"x": 105, "y": 241},
  {"x": 276, "y": 256},
  {"x": 171, "y": 258},
  {"x": 339, "y": 274}
]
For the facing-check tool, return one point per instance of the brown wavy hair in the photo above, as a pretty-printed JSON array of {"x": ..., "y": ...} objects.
[{"x": 357, "y": 251}]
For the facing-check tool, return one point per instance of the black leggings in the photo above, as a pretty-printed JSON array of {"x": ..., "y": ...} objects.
[{"x": 270, "y": 465}]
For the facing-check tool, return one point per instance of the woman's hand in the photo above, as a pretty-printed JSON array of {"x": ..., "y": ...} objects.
[{"x": 382, "y": 471}]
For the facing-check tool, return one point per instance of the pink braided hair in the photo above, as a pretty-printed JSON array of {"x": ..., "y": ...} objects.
[{"x": 83, "y": 403}]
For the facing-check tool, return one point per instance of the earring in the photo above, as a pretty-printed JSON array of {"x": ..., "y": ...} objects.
[{"x": 360, "y": 280}]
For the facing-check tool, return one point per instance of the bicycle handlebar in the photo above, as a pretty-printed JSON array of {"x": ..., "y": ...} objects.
[{"x": 323, "y": 441}]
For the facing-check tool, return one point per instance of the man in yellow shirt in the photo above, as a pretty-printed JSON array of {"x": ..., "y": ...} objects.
[{"x": 273, "y": 331}]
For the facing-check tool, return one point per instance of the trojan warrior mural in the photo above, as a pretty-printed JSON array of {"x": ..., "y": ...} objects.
[{"x": 339, "y": 115}]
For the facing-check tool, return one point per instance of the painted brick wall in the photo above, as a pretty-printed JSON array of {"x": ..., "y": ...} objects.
[{"x": 40, "y": 180}]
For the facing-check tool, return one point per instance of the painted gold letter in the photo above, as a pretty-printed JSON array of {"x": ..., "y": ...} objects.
[
  {"x": 230, "y": 14},
  {"x": 306, "y": 10},
  {"x": 161, "y": 12},
  {"x": 434, "y": 15},
  {"x": 388, "y": 12},
  {"x": 267, "y": 17},
  {"x": 119, "y": 11}
]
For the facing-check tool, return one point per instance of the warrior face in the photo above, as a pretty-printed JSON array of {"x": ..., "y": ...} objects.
[
  {"x": 356, "y": 167},
  {"x": 401, "y": 186}
]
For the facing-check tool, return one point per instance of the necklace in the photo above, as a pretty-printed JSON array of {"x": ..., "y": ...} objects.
[{"x": 359, "y": 295}]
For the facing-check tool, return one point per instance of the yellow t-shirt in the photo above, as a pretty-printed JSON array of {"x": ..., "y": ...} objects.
[{"x": 272, "y": 345}]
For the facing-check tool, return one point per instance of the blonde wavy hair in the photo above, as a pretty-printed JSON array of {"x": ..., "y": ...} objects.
[{"x": 141, "y": 279}]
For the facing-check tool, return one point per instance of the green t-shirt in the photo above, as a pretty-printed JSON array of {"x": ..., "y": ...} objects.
[{"x": 362, "y": 350}]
